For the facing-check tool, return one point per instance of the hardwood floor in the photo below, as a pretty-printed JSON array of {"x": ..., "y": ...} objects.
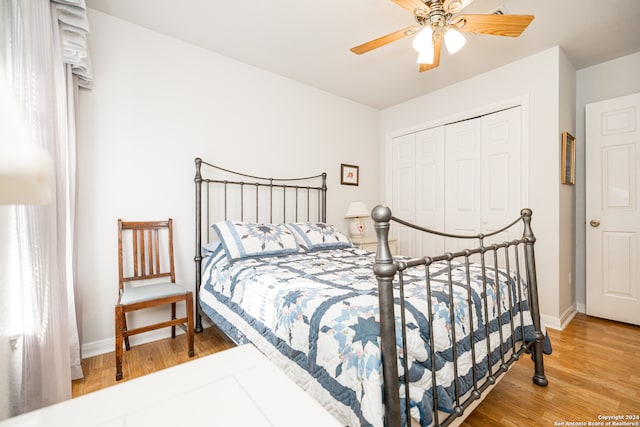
[
  {"x": 594, "y": 371},
  {"x": 100, "y": 371}
]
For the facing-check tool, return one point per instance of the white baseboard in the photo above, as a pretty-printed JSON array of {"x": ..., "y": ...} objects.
[
  {"x": 582, "y": 308},
  {"x": 561, "y": 322}
]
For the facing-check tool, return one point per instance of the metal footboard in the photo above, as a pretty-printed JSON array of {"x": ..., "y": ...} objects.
[{"x": 515, "y": 257}]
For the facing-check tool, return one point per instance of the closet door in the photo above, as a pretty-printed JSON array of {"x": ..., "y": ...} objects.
[
  {"x": 463, "y": 179},
  {"x": 483, "y": 175},
  {"x": 429, "y": 160},
  {"x": 501, "y": 170},
  {"x": 403, "y": 189},
  {"x": 418, "y": 190}
]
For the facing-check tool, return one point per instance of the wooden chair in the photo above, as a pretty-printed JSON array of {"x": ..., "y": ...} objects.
[{"x": 148, "y": 263}]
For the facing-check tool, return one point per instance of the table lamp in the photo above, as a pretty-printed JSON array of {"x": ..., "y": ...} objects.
[{"x": 356, "y": 210}]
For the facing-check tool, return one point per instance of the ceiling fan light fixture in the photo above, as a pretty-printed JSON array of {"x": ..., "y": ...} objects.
[
  {"x": 436, "y": 20},
  {"x": 424, "y": 39},
  {"x": 453, "y": 40},
  {"x": 426, "y": 56}
]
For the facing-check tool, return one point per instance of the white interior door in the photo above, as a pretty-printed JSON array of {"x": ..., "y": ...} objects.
[
  {"x": 403, "y": 183},
  {"x": 612, "y": 213},
  {"x": 430, "y": 164},
  {"x": 418, "y": 190},
  {"x": 502, "y": 190},
  {"x": 463, "y": 179}
]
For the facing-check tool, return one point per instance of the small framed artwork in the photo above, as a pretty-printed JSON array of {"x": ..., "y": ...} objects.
[
  {"x": 349, "y": 174},
  {"x": 568, "y": 159}
]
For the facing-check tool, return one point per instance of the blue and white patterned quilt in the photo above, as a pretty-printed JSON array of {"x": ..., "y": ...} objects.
[{"x": 315, "y": 314}]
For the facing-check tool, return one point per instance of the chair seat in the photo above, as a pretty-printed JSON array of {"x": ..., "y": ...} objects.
[{"x": 148, "y": 292}]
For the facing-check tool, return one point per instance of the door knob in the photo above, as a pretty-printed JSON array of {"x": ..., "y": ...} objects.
[{"x": 594, "y": 222}]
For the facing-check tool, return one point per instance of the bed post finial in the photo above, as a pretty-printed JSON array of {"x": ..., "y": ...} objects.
[
  {"x": 198, "y": 161},
  {"x": 385, "y": 270},
  {"x": 529, "y": 238},
  {"x": 526, "y": 214},
  {"x": 384, "y": 265}
]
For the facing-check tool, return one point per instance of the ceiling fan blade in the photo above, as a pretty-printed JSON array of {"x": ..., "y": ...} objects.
[
  {"x": 381, "y": 41},
  {"x": 437, "y": 44},
  {"x": 496, "y": 25},
  {"x": 410, "y": 5}
]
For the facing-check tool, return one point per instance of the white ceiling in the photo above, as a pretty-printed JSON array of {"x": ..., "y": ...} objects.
[{"x": 309, "y": 41}]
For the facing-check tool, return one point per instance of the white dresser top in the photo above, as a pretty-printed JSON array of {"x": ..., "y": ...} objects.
[{"x": 238, "y": 386}]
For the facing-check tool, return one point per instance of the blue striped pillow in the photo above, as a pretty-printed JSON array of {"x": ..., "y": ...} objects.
[
  {"x": 315, "y": 236},
  {"x": 244, "y": 239}
]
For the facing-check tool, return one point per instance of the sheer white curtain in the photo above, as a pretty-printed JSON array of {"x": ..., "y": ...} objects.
[{"x": 46, "y": 60}]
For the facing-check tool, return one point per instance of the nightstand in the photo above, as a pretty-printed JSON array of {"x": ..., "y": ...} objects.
[{"x": 370, "y": 243}]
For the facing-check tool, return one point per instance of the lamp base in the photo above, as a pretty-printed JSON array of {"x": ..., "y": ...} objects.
[{"x": 356, "y": 229}]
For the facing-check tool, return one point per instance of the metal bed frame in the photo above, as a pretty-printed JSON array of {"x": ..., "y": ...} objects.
[{"x": 386, "y": 270}]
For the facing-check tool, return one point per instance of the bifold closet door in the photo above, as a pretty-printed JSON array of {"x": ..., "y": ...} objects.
[
  {"x": 465, "y": 178},
  {"x": 418, "y": 189},
  {"x": 483, "y": 170},
  {"x": 502, "y": 192}
]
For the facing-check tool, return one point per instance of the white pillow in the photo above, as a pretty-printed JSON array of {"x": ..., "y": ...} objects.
[{"x": 315, "y": 236}]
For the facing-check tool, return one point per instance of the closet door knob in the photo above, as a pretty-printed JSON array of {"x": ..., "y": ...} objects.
[{"x": 594, "y": 223}]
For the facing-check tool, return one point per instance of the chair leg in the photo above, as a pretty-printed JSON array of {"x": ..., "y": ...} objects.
[
  {"x": 173, "y": 317},
  {"x": 124, "y": 331},
  {"x": 190, "y": 323},
  {"x": 119, "y": 315}
]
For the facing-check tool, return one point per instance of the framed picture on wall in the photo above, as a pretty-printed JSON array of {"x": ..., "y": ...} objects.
[
  {"x": 349, "y": 174},
  {"x": 568, "y": 159}
]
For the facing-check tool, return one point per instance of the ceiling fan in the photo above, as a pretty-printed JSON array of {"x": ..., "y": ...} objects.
[{"x": 437, "y": 20}]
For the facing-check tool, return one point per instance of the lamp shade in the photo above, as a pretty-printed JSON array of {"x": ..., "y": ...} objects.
[
  {"x": 454, "y": 40},
  {"x": 356, "y": 210},
  {"x": 425, "y": 56},
  {"x": 24, "y": 176},
  {"x": 25, "y": 170},
  {"x": 424, "y": 39}
]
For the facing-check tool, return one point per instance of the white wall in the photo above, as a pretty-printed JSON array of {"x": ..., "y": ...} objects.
[
  {"x": 567, "y": 208},
  {"x": 156, "y": 104},
  {"x": 610, "y": 79},
  {"x": 535, "y": 80}
]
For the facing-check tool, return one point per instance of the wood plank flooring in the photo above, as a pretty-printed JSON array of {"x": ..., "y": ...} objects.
[
  {"x": 594, "y": 371},
  {"x": 100, "y": 371}
]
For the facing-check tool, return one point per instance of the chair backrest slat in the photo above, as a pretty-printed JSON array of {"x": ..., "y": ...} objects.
[
  {"x": 156, "y": 245},
  {"x": 135, "y": 252}
]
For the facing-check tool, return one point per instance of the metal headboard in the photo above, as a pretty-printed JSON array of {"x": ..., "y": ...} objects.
[{"x": 239, "y": 196}]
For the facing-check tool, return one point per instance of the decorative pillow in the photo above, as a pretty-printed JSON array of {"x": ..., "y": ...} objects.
[
  {"x": 313, "y": 236},
  {"x": 243, "y": 239}
]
